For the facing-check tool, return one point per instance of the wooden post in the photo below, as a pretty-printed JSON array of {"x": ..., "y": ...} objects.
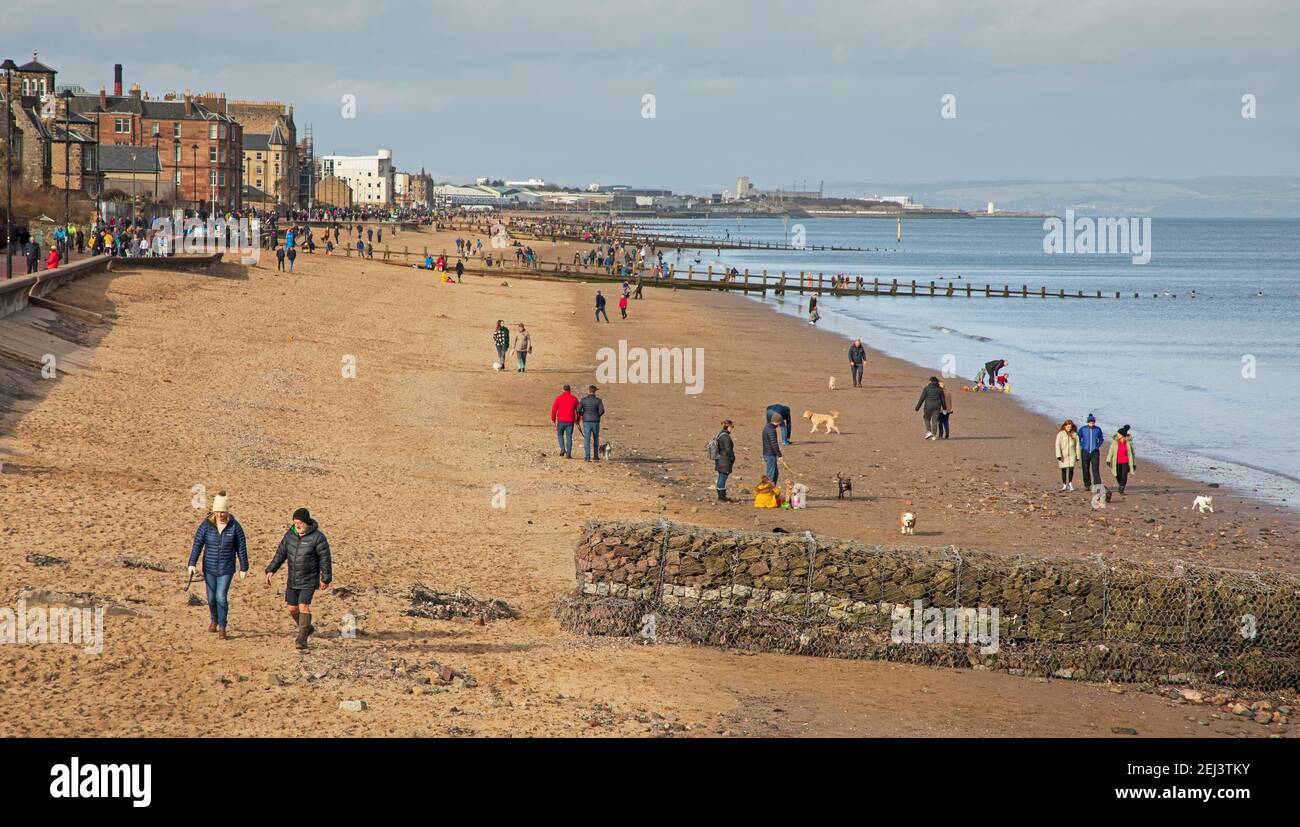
[
  {"x": 710, "y": 273},
  {"x": 988, "y": 291},
  {"x": 1042, "y": 292},
  {"x": 1024, "y": 290},
  {"x": 931, "y": 288},
  {"x": 1006, "y": 291},
  {"x": 875, "y": 288},
  {"x": 968, "y": 290},
  {"x": 1062, "y": 293},
  {"x": 893, "y": 287},
  {"x": 913, "y": 287}
]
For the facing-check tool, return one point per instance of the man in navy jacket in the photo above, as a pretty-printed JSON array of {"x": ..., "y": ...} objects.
[{"x": 1090, "y": 442}]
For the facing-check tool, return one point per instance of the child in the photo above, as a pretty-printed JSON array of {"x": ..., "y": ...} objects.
[
  {"x": 766, "y": 494},
  {"x": 622, "y": 305}
]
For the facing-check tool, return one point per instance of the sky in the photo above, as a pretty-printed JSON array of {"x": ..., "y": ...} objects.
[{"x": 840, "y": 92}]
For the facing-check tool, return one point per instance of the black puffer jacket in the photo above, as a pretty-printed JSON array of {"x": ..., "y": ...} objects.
[
  {"x": 931, "y": 398},
  {"x": 308, "y": 556}
]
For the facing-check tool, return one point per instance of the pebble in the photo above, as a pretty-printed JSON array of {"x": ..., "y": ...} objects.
[{"x": 353, "y": 706}]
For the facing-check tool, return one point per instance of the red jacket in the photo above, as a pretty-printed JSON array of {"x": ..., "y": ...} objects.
[
  {"x": 53, "y": 260},
  {"x": 564, "y": 408}
]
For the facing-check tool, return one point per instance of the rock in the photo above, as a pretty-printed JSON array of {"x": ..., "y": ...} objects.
[
  {"x": 1192, "y": 695},
  {"x": 353, "y": 706},
  {"x": 1263, "y": 717},
  {"x": 1123, "y": 730},
  {"x": 1241, "y": 709}
]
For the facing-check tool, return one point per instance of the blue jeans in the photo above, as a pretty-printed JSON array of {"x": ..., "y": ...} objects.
[
  {"x": 564, "y": 433},
  {"x": 218, "y": 596},
  {"x": 591, "y": 436},
  {"x": 857, "y": 373},
  {"x": 600, "y": 311},
  {"x": 722, "y": 481},
  {"x": 772, "y": 471},
  {"x": 943, "y": 426}
]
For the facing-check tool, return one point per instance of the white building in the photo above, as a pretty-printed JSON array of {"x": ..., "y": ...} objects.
[
  {"x": 371, "y": 177},
  {"x": 743, "y": 187}
]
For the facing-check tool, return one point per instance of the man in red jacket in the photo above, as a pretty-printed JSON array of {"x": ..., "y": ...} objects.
[{"x": 564, "y": 412}]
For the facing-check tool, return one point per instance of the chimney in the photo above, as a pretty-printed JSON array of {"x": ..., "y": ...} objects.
[
  {"x": 135, "y": 91},
  {"x": 117, "y": 80},
  {"x": 189, "y": 103},
  {"x": 103, "y": 98}
]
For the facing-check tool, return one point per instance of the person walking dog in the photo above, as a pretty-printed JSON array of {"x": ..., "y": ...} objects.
[
  {"x": 307, "y": 551},
  {"x": 221, "y": 539}
]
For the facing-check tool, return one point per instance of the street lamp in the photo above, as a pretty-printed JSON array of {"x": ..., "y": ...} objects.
[
  {"x": 134, "y": 178},
  {"x": 9, "y": 67},
  {"x": 194, "y": 163},
  {"x": 157, "y": 168},
  {"x": 67, "y": 164}
]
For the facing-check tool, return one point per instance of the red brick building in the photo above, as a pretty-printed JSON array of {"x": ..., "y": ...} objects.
[{"x": 199, "y": 143}]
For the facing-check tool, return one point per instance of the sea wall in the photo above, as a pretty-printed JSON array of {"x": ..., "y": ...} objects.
[{"x": 1080, "y": 619}]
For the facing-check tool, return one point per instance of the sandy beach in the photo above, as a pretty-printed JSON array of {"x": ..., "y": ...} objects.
[{"x": 240, "y": 380}]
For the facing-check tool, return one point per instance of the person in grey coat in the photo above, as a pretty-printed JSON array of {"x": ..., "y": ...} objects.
[
  {"x": 930, "y": 404},
  {"x": 307, "y": 551}
]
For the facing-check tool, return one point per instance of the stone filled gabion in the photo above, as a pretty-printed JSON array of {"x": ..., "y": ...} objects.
[{"x": 796, "y": 593}]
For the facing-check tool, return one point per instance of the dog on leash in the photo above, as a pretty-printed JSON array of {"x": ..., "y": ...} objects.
[
  {"x": 606, "y": 451},
  {"x": 907, "y": 520},
  {"x": 831, "y": 383},
  {"x": 822, "y": 419},
  {"x": 845, "y": 485},
  {"x": 1203, "y": 503}
]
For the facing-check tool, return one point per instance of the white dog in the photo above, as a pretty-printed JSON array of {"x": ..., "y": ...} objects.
[
  {"x": 831, "y": 383},
  {"x": 1203, "y": 504}
]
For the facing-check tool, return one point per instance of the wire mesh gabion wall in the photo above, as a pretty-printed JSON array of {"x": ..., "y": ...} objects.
[{"x": 798, "y": 593}]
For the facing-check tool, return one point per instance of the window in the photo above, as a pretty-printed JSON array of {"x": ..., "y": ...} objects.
[
  {"x": 259, "y": 169},
  {"x": 44, "y": 91},
  {"x": 122, "y": 126},
  {"x": 212, "y": 131},
  {"x": 212, "y": 178},
  {"x": 176, "y": 153},
  {"x": 155, "y": 127},
  {"x": 178, "y": 177},
  {"x": 222, "y": 154},
  {"x": 27, "y": 89},
  {"x": 212, "y": 154},
  {"x": 259, "y": 156},
  {"x": 223, "y": 130},
  {"x": 259, "y": 183},
  {"x": 176, "y": 129},
  {"x": 277, "y": 170},
  {"x": 222, "y": 181}
]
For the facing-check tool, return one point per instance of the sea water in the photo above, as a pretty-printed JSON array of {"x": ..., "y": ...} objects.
[{"x": 1206, "y": 372}]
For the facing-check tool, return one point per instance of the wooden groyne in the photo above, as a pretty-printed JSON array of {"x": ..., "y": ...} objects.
[{"x": 743, "y": 281}]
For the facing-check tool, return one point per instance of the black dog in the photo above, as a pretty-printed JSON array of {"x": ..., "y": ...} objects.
[{"x": 845, "y": 484}]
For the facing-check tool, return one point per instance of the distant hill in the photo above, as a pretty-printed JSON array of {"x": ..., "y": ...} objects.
[{"x": 1274, "y": 196}]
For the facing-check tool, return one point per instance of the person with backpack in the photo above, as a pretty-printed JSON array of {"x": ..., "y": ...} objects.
[
  {"x": 1091, "y": 439},
  {"x": 220, "y": 538},
  {"x": 307, "y": 552},
  {"x": 722, "y": 450},
  {"x": 857, "y": 357}
]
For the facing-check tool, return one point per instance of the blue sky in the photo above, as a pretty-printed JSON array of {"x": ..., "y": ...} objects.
[{"x": 840, "y": 91}]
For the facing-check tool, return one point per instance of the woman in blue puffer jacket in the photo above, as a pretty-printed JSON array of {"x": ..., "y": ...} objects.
[{"x": 221, "y": 539}]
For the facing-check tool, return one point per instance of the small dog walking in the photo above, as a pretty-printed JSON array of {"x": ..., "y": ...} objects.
[
  {"x": 845, "y": 485},
  {"x": 831, "y": 383},
  {"x": 1100, "y": 497},
  {"x": 827, "y": 420},
  {"x": 907, "y": 520},
  {"x": 1204, "y": 503},
  {"x": 606, "y": 451}
]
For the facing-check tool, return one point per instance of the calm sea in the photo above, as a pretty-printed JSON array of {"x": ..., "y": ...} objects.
[{"x": 1207, "y": 383}]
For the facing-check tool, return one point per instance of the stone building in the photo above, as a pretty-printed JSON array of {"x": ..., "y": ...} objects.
[
  {"x": 332, "y": 192},
  {"x": 270, "y": 148},
  {"x": 51, "y": 147}
]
